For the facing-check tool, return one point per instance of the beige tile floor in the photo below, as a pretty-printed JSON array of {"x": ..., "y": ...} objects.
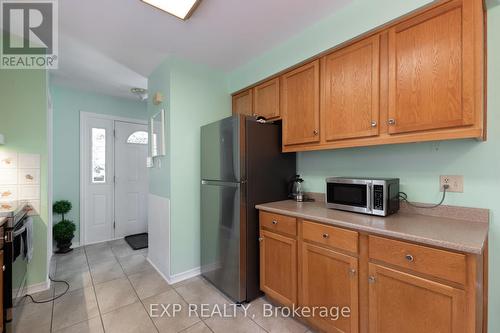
[{"x": 112, "y": 288}]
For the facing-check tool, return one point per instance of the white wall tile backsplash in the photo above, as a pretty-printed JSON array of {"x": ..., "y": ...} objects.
[
  {"x": 8, "y": 160},
  {"x": 8, "y": 176},
  {"x": 29, "y": 161},
  {"x": 28, "y": 176},
  {"x": 8, "y": 193},
  {"x": 20, "y": 178},
  {"x": 27, "y": 192}
]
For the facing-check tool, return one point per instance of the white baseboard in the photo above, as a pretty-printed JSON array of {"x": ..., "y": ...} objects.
[
  {"x": 179, "y": 276},
  {"x": 33, "y": 289},
  {"x": 38, "y": 287},
  {"x": 185, "y": 275}
]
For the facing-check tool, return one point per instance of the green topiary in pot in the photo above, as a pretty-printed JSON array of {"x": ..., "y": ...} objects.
[
  {"x": 63, "y": 231},
  {"x": 62, "y": 207}
]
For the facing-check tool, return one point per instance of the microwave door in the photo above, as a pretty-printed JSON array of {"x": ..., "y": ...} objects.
[{"x": 350, "y": 196}]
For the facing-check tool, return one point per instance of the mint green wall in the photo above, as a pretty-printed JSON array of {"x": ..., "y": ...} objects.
[
  {"x": 67, "y": 104},
  {"x": 198, "y": 97},
  {"x": 194, "y": 95},
  {"x": 418, "y": 165},
  {"x": 23, "y": 121},
  {"x": 159, "y": 81}
]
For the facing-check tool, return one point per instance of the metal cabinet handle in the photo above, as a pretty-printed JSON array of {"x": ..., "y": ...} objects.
[
  {"x": 275, "y": 222},
  {"x": 316, "y": 132},
  {"x": 374, "y": 123},
  {"x": 261, "y": 239},
  {"x": 372, "y": 279},
  {"x": 392, "y": 121},
  {"x": 352, "y": 272},
  {"x": 326, "y": 236},
  {"x": 409, "y": 258},
  {"x": 3, "y": 268}
]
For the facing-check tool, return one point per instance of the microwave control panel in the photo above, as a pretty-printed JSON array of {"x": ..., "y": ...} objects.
[{"x": 378, "y": 197}]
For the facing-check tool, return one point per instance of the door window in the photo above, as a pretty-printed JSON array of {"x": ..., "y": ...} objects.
[
  {"x": 98, "y": 155},
  {"x": 139, "y": 137}
]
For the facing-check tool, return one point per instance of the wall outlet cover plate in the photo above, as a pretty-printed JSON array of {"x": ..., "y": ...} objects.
[{"x": 455, "y": 183}]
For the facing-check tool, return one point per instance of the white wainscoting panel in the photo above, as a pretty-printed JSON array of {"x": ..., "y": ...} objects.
[{"x": 159, "y": 233}]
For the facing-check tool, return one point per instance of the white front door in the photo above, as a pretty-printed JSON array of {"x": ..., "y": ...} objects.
[
  {"x": 131, "y": 182},
  {"x": 97, "y": 179}
]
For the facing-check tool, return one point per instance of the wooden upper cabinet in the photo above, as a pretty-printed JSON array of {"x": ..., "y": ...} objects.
[
  {"x": 330, "y": 279},
  {"x": 431, "y": 70},
  {"x": 243, "y": 103},
  {"x": 400, "y": 302},
  {"x": 267, "y": 99},
  {"x": 350, "y": 85},
  {"x": 278, "y": 267},
  {"x": 300, "y": 104}
]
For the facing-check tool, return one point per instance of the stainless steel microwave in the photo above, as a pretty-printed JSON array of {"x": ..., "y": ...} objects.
[{"x": 374, "y": 196}]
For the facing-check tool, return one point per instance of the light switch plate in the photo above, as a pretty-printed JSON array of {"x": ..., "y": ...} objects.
[{"x": 455, "y": 183}]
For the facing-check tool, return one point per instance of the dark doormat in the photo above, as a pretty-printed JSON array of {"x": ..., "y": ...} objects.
[{"x": 137, "y": 242}]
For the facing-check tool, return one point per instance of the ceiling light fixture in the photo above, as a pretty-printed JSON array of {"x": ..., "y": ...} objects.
[
  {"x": 182, "y": 9},
  {"x": 140, "y": 92}
]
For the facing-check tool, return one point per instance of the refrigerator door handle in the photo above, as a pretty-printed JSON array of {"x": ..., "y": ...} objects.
[{"x": 219, "y": 183}]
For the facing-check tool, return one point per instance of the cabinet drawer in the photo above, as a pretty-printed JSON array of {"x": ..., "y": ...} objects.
[
  {"x": 279, "y": 223},
  {"x": 330, "y": 236},
  {"x": 439, "y": 263}
]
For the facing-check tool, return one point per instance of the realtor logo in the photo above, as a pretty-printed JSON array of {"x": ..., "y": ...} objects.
[{"x": 30, "y": 34}]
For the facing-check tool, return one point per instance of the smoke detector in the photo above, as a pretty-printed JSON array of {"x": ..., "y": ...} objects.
[{"x": 140, "y": 92}]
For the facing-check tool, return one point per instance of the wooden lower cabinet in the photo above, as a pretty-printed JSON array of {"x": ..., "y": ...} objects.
[
  {"x": 278, "y": 267},
  {"x": 390, "y": 286},
  {"x": 330, "y": 279},
  {"x": 401, "y": 302}
]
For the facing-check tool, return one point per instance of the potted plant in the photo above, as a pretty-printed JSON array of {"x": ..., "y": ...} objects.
[{"x": 64, "y": 231}]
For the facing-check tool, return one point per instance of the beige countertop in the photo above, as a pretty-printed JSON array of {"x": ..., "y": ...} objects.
[{"x": 455, "y": 234}]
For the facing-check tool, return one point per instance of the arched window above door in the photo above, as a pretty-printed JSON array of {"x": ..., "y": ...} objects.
[{"x": 139, "y": 137}]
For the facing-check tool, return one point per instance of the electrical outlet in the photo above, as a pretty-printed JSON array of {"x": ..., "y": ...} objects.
[{"x": 455, "y": 183}]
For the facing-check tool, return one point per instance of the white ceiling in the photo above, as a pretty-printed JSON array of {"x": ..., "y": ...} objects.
[{"x": 113, "y": 45}]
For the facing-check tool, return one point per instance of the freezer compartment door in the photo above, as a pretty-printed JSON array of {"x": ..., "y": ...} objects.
[
  {"x": 220, "y": 150},
  {"x": 222, "y": 247}
]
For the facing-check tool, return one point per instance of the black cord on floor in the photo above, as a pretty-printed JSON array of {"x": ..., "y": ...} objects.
[
  {"x": 54, "y": 298},
  {"x": 404, "y": 197}
]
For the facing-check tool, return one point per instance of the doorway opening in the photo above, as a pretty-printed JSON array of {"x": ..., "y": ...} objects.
[{"x": 113, "y": 177}]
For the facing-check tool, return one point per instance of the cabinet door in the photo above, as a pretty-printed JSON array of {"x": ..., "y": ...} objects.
[
  {"x": 300, "y": 105},
  {"x": 330, "y": 279},
  {"x": 267, "y": 99},
  {"x": 400, "y": 302},
  {"x": 350, "y": 82},
  {"x": 431, "y": 70},
  {"x": 278, "y": 267},
  {"x": 243, "y": 103}
]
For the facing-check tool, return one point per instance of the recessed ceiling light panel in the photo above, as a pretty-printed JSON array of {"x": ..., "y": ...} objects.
[{"x": 179, "y": 8}]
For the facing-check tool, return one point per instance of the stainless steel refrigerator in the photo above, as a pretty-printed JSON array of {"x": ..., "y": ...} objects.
[{"x": 241, "y": 166}]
